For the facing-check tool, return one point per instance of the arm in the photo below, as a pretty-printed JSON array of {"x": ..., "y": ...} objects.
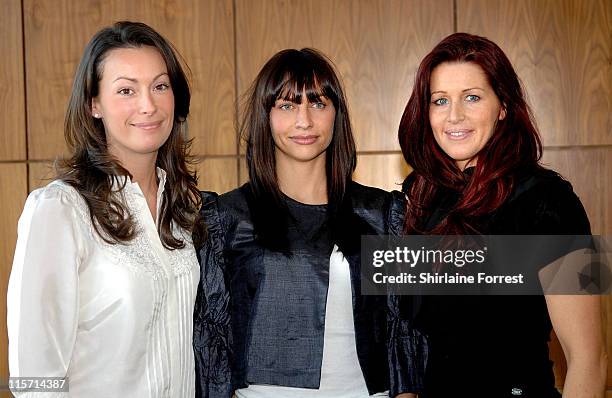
[
  {"x": 42, "y": 297},
  {"x": 408, "y": 348},
  {"x": 576, "y": 319},
  {"x": 212, "y": 327},
  {"x": 577, "y": 323}
]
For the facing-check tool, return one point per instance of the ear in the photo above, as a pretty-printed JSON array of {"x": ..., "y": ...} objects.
[
  {"x": 502, "y": 112},
  {"x": 95, "y": 109}
]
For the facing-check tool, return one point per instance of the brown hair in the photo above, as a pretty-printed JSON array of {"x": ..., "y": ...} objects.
[
  {"x": 291, "y": 74},
  {"x": 90, "y": 169}
]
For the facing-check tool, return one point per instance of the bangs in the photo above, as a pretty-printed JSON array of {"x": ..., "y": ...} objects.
[
  {"x": 297, "y": 83},
  {"x": 292, "y": 88}
]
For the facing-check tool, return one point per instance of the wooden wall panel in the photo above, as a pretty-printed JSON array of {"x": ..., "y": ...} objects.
[
  {"x": 13, "y": 191},
  {"x": 218, "y": 174},
  {"x": 561, "y": 49},
  {"x": 12, "y": 95},
  {"x": 39, "y": 175},
  {"x": 386, "y": 171},
  {"x": 606, "y": 302},
  {"x": 376, "y": 46},
  {"x": 202, "y": 32},
  {"x": 243, "y": 177}
]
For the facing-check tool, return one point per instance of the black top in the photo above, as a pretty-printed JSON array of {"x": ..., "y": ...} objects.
[
  {"x": 496, "y": 346},
  {"x": 259, "y": 314}
]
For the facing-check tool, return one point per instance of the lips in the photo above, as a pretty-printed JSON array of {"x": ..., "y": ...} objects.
[
  {"x": 458, "y": 134},
  {"x": 304, "y": 139},
  {"x": 147, "y": 125}
]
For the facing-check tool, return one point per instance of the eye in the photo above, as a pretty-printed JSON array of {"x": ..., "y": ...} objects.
[
  {"x": 440, "y": 101},
  {"x": 318, "y": 105},
  {"x": 472, "y": 98},
  {"x": 286, "y": 106},
  {"x": 162, "y": 87},
  {"x": 125, "y": 91}
]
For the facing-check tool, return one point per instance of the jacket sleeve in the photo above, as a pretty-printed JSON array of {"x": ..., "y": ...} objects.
[
  {"x": 212, "y": 327},
  {"x": 407, "y": 346}
]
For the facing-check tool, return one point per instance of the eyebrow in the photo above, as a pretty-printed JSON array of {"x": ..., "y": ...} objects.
[
  {"x": 463, "y": 91},
  {"x": 136, "y": 80}
]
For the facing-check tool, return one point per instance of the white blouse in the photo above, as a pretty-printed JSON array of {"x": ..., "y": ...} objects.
[{"x": 116, "y": 320}]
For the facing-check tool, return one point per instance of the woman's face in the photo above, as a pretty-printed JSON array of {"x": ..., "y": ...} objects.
[
  {"x": 463, "y": 110},
  {"x": 302, "y": 131},
  {"x": 135, "y": 101}
]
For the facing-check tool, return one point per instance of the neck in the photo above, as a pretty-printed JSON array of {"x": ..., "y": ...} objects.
[
  {"x": 143, "y": 171},
  {"x": 305, "y": 182}
]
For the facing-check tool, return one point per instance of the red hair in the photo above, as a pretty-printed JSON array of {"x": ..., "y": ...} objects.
[{"x": 515, "y": 144}]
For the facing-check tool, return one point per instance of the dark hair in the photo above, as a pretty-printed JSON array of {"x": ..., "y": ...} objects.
[
  {"x": 291, "y": 74},
  {"x": 90, "y": 168},
  {"x": 515, "y": 144}
]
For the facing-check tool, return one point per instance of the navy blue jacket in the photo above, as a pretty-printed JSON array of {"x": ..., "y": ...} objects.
[{"x": 259, "y": 315}]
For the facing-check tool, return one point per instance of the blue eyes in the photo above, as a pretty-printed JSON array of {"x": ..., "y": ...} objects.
[
  {"x": 445, "y": 101},
  {"x": 287, "y": 106}
]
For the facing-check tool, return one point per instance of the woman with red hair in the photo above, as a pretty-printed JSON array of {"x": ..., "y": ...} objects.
[{"x": 471, "y": 140}]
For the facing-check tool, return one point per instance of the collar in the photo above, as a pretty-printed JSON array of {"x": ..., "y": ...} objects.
[{"x": 119, "y": 182}]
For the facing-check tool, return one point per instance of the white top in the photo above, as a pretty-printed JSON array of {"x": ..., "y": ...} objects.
[
  {"x": 341, "y": 375},
  {"x": 117, "y": 320}
]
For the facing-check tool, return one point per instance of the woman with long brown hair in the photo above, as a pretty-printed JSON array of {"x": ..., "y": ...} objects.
[
  {"x": 105, "y": 274},
  {"x": 280, "y": 312},
  {"x": 471, "y": 139}
]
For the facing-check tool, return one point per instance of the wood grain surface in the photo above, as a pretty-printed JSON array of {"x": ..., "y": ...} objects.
[
  {"x": 56, "y": 33},
  {"x": 13, "y": 192},
  {"x": 376, "y": 46},
  {"x": 561, "y": 49},
  {"x": 218, "y": 174},
  {"x": 385, "y": 171},
  {"x": 12, "y": 95}
]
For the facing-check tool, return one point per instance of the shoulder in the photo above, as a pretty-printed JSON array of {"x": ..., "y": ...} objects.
[
  {"x": 384, "y": 210},
  {"x": 548, "y": 204},
  {"x": 224, "y": 208},
  {"x": 57, "y": 206},
  {"x": 540, "y": 181},
  {"x": 365, "y": 197},
  {"x": 56, "y": 196}
]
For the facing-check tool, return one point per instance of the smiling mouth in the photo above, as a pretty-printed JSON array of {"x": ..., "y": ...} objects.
[
  {"x": 147, "y": 125},
  {"x": 458, "y": 135},
  {"x": 304, "y": 139}
]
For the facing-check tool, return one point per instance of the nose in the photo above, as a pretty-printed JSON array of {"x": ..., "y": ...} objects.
[
  {"x": 147, "y": 103},
  {"x": 456, "y": 112},
  {"x": 303, "y": 118}
]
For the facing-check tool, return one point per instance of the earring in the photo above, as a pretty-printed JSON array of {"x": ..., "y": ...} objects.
[{"x": 96, "y": 115}]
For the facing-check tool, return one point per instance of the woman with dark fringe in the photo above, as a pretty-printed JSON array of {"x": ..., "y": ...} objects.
[
  {"x": 105, "y": 274},
  {"x": 279, "y": 311},
  {"x": 471, "y": 139}
]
